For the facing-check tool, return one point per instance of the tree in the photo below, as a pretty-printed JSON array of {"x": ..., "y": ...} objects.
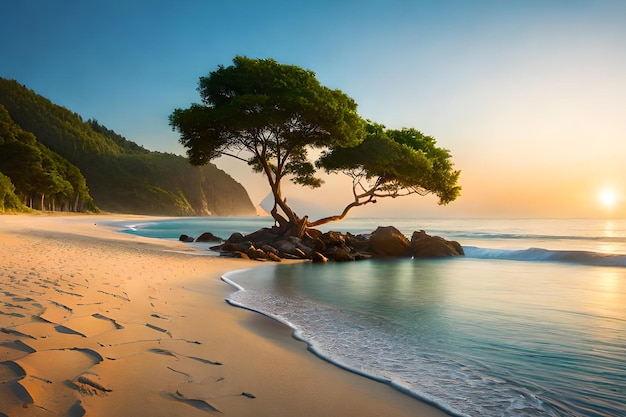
[
  {"x": 271, "y": 115},
  {"x": 8, "y": 200},
  {"x": 393, "y": 163}
]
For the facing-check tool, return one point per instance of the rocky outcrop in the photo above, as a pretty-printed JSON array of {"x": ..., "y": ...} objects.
[
  {"x": 389, "y": 242},
  {"x": 426, "y": 246},
  {"x": 384, "y": 242},
  {"x": 185, "y": 238},
  {"x": 208, "y": 237}
]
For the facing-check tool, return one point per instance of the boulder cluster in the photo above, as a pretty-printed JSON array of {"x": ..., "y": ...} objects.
[{"x": 384, "y": 242}]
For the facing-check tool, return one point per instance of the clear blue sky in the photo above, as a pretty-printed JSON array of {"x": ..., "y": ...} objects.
[{"x": 529, "y": 95}]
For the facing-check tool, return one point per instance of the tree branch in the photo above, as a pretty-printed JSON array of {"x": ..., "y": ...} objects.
[
  {"x": 343, "y": 214},
  {"x": 234, "y": 156}
]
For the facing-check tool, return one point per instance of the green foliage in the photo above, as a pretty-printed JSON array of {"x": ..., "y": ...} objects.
[
  {"x": 125, "y": 144},
  {"x": 62, "y": 130},
  {"x": 269, "y": 115},
  {"x": 37, "y": 172},
  {"x": 166, "y": 184},
  {"x": 8, "y": 200},
  {"x": 64, "y": 151},
  {"x": 393, "y": 163}
]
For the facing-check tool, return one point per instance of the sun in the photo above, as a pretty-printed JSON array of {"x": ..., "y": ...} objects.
[{"x": 607, "y": 197}]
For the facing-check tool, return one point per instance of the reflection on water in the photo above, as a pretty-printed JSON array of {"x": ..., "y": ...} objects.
[
  {"x": 550, "y": 335},
  {"x": 610, "y": 294},
  {"x": 613, "y": 238}
]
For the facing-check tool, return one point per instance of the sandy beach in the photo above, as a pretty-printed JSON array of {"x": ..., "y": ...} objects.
[{"x": 99, "y": 323}]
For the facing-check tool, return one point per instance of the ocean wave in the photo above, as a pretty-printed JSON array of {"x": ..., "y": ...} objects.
[
  {"x": 464, "y": 234},
  {"x": 546, "y": 255},
  {"x": 391, "y": 356},
  {"x": 318, "y": 328}
]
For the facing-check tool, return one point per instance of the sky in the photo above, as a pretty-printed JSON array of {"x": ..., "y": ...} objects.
[{"x": 528, "y": 96}]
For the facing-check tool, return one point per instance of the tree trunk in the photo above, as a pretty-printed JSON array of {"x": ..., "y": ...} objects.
[
  {"x": 336, "y": 217},
  {"x": 280, "y": 202},
  {"x": 296, "y": 228}
]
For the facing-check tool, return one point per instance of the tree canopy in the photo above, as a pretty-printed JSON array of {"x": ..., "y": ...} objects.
[
  {"x": 36, "y": 172},
  {"x": 276, "y": 114},
  {"x": 393, "y": 163},
  {"x": 272, "y": 115},
  {"x": 9, "y": 201}
]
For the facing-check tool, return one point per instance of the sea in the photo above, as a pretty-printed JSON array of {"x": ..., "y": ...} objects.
[{"x": 530, "y": 322}]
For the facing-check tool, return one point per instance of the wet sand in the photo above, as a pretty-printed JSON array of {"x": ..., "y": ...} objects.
[{"x": 100, "y": 323}]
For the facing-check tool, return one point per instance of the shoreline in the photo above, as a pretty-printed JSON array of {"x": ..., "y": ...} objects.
[{"x": 105, "y": 323}]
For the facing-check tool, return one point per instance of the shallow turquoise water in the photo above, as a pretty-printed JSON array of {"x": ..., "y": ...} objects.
[
  {"x": 478, "y": 337},
  {"x": 531, "y": 322}
]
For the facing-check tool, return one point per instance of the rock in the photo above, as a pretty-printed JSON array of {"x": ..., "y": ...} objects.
[
  {"x": 318, "y": 257},
  {"x": 426, "y": 246},
  {"x": 270, "y": 249},
  {"x": 271, "y": 243},
  {"x": 273, "y": 257},
  {"x": 313, "y": 243},
  {"x": 360, "y": 256},
  {"x": 264, "y": 235},
  {"x": 339, "y": 254},
  {"x": 236, "y": 238},
  {"x": 301, "y": 249},
  {"x": 308, "y": 251},
  {"x": 185, "y": 238},
  {"x": 236, "y": 247},
  {"x": 456, "y": 245},
  {"x": 208, "y": 237},
  {"x": 300, "y": 253},
  {"x": 389, "y": 242},
  {"x": 254, "y": 253},
  {"x": 285, "y": 246},
  {"x": 359, "y": 243},
  {"x": 333, "y": 239}
]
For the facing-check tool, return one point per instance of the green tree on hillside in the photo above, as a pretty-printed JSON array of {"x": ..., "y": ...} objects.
[
  {"x": 272, "y": 115},
  {"x": 8, "y": 200},
  {"x": 122, "y": 175},
  {"x": 42, "y": 178}
]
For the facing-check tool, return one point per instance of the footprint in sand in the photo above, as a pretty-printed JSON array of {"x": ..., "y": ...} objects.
[
  {"x": 90, "y": 384},
  {"x": 14, "y": 349},
  {"x": 159, "y": 329},
  {"x": 196, "y": 403},
  {"x": 10, "y": 371},
  {"x": 174, "y": 354},
  {"x": 58, "y": 367},
  {"x": 92, "y": 325},
  {"x": 14, "y": 397}
]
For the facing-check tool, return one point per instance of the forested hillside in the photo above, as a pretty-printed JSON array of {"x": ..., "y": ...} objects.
[
  {"x": 39, "y": 177},
  {"x": 45, "y": 147}
]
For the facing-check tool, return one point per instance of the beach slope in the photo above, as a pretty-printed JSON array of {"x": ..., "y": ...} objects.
[{"x": 100, "y": 323}]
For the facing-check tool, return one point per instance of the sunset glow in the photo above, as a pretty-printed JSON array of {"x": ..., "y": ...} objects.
[
  {"x": 607, "y": 197},
  {"x": 527, "y": 96}
]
